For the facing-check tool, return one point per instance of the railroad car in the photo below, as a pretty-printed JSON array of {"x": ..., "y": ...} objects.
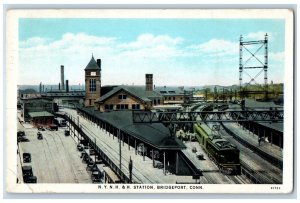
[{"x": 222, "y": 152}]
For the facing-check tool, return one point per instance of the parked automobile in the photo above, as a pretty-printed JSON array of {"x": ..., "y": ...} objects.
[
  {"x": 39, "y": 136},
  {"x": 67, "y": 132},
  {"x": 80, "y": 147},
  {"x": 31, "y": 179},
  {"x": 92, "y": 152},
  {"x": 53, "y": 127},
  {"x": 27, "y": 174},
  {"x": 21, "y": 134},
  {"x": 41, "y": 128},
  {"x": 96, "y": 176},
  {"x": 26, "y": 157},
  {"x": 22, "y": 139}
]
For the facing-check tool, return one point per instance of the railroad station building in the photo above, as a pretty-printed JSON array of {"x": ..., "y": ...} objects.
[
  {"x": 173, "y": 95},
  {"x": 92, "y": 81},
  {"x": 147, "y": 139},
  {"x": 128, "y": 98}
]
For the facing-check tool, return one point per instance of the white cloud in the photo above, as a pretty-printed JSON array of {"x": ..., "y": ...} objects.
[
  {"x": 75, "y": 50},
  {"x": 34, "y": 41},
  {"x": 149, "y": 40},
  {"x": 217, "y": 47},
  {"x": 259, "y": 35},
  {"x": 276, "y": 56},
  {"x": 168, "y": 58}
]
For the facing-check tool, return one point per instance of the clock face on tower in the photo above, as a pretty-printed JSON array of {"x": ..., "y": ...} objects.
[{"x": 93, "y": 73}]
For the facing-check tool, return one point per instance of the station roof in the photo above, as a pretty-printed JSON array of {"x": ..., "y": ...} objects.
[
  {"x": 92, "y": 65},
  {"x": 251, "y": 103},
  {"x": 169, "y": 91},
  {"x": 154, "y": 134},
  {"x": 40, "y": 114},
  {"x": 274, "y": 126},
  {"x": 66, "y": 94},
  {"x": 137, "y": 91},
  {"x": 254, "y": 104}
]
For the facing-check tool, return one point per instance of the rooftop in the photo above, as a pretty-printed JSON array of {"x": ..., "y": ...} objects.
[
  {"x": 92, "y": 65},
  {"x": 170, "y": 90},
  {"x": 66, "y": 94},
  {"x": 137, "y": 91},
  {"x": 154, "y": 134},
  {"x": 40, "y": 114}
]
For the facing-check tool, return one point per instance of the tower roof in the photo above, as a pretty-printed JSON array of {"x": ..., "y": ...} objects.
[{"x": 92, "y": 65}]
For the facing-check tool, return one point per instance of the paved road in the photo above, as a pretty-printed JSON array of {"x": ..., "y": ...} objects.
[{"x": 55, "y": 159}]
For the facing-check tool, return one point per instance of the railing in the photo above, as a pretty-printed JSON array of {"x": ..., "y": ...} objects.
[
  {"x": 112, "y": 165},
  {"x": 208, "y": 116}
]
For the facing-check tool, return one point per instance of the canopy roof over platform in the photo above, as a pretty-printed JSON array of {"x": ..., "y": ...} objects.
[{"x": 154, "y": 134}]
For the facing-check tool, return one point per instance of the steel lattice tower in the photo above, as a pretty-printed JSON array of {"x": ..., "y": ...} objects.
[{"x": 263, "y": 66}]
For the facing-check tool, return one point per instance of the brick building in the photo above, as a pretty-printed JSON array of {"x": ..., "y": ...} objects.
[
  {"x": 173, "y": 95},
  {"x": 42, "y": 118},
  {"x": 128, "y": 97},
  {"x": 92, "y": 81},
  {"x": 35, "y": 104}
]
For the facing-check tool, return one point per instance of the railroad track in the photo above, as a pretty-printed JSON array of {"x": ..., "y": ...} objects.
[
  {"x": 255, "y": 176},
  {"x": 273, "y": 160}
]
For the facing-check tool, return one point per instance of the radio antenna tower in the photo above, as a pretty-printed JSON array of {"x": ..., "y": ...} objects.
[{"x": 263, "y": 66}]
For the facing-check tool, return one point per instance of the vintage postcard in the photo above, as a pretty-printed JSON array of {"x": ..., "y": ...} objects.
[{"x": 149, "y": 101}]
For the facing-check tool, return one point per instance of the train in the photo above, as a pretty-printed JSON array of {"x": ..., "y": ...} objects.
[{"x": 223, "y": 153}]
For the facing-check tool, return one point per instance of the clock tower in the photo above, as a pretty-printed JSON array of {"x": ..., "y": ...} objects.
[{"x": 92, "y": 81}]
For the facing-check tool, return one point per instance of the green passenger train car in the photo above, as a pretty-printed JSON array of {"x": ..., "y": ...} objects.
[{"x": 222, "y": 152}]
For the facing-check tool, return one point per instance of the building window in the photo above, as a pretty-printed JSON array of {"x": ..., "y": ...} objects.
[
  {"x": 169, "y": 98},
  {"x": 135, "y": 106},
  {"x": 158, "y": 101},
  {"x": 90, "y": 101},
  {"x": 122, "y": 96},
  {"x": 109, "y": 107},
  {"x": 126, "y": 106},
  {"x": 118, "y": 106},
  {"x": 173, "y": 98},
  {"x": 93, "y": 85}
]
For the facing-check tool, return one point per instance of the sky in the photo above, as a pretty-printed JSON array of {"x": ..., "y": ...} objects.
[{"x": 178, "y": 52}]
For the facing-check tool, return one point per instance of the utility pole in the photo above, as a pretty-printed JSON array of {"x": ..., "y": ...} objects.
[
  {"x": 120, "y": 151},
  {"x": 130, "y": 169}
]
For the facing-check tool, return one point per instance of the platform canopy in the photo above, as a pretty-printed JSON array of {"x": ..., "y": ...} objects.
[
  {"x": 153, "y": 134},
  {"x": 40, "y": 114}
]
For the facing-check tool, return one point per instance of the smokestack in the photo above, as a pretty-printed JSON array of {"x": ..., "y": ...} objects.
[
  {"x": 59, "y": 86},
  {"x": 99, "y": 63},
  {"x": 40, "y": 87},
  {"x": 62, "y": 77},
  {"x": 149, "y": 82},
  {"x": 67, "y": 85}
]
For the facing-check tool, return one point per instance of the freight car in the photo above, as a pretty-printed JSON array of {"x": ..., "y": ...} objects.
[{"x": 222, "y": 152}]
